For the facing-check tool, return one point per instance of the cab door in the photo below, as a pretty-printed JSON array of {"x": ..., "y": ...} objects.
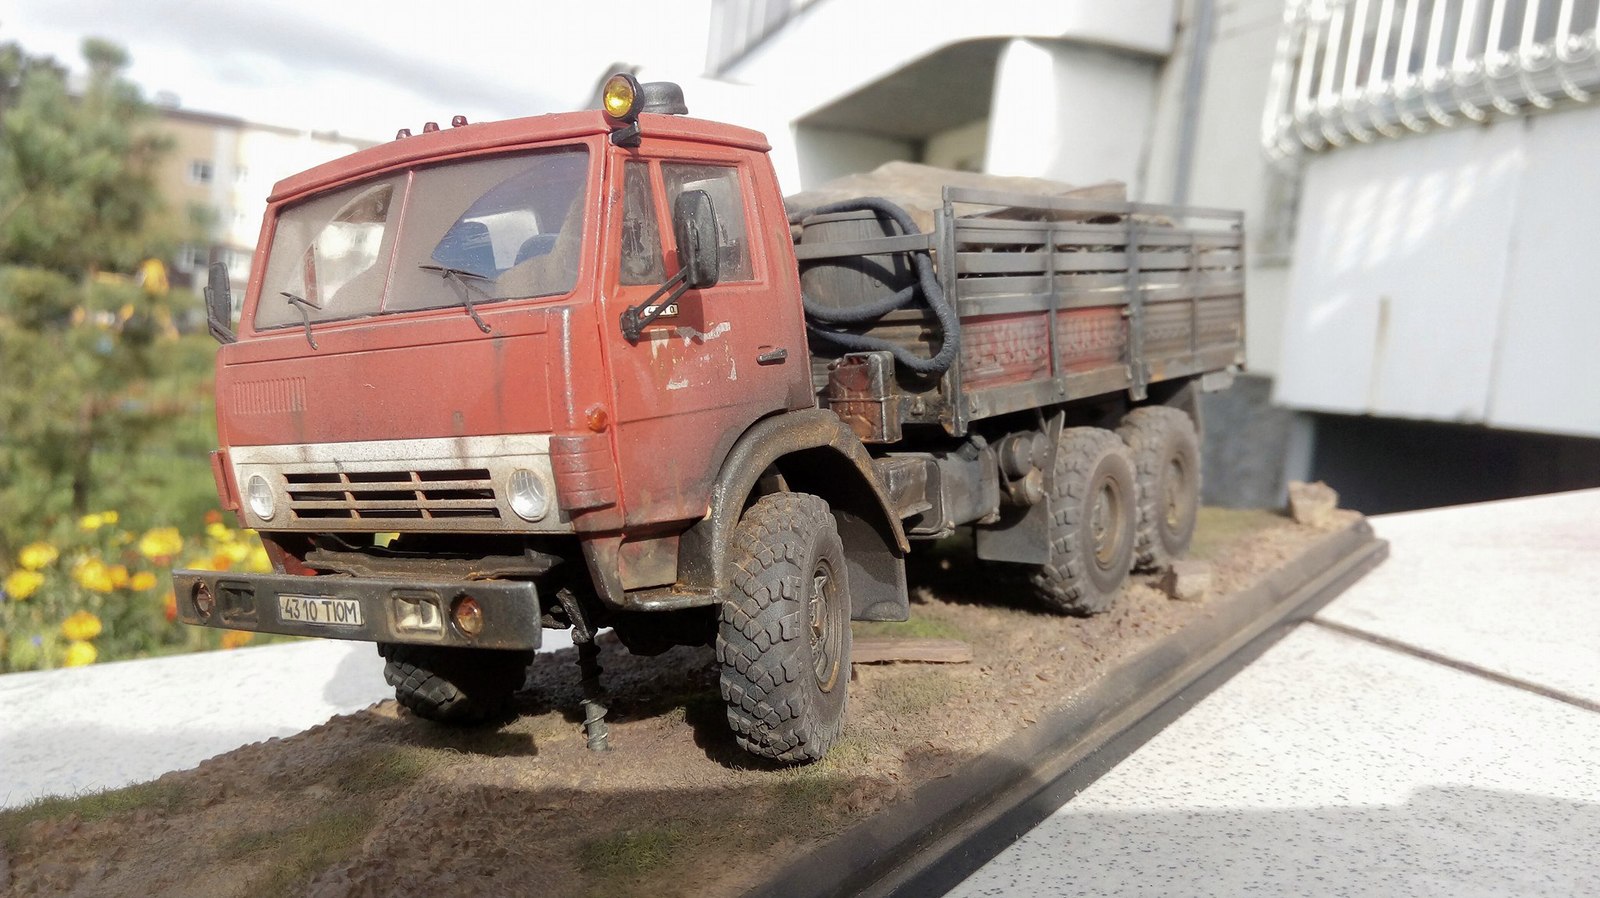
[{"x": 717, "y": 360}]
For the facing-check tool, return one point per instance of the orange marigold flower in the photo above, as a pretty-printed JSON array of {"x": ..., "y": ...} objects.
[
  {"x": 213, "y": 517},
  {"x": 232, "y": 639},
  {"x": 170, "y": 607},
  {"x": 81, "y": 626},
  {"x": 80, "y": 654},
  {"x": 142, "y": 581}
]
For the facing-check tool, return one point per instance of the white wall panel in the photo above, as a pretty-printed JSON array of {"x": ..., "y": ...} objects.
[
  {"x": 1547, "y": 376},
  {"x": 1399, "y": 275}
]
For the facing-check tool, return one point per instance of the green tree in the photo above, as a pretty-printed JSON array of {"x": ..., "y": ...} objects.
[{"x": 80, "y": 343}]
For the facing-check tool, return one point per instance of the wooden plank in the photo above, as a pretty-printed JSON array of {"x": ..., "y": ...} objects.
[
  {"x": 886, "y": 649},
  {"x": 1067, "y": 262},
  {"x": 1160, "y": 284}
]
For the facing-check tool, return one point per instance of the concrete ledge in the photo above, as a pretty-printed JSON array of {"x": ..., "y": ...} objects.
[{"x": 952, "y": 826}]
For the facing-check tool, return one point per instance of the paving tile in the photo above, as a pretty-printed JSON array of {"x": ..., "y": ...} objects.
[
  {"x": 68, "y": 731},
  {"x": 1512, "y": 587},
  {"x": 1333, "y": 767}
]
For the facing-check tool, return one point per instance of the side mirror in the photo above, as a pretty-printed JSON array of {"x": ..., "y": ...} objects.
[
  {"x": 694, "y": 223},
  {"x": 219, "y": 304}
]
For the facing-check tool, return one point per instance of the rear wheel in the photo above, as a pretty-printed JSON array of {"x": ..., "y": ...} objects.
[
  {"x": 453, "y": 685},
  {"x": 1166, "y": 452},
  {"x": 784, "y": 636},
  {"x": 1091, "y": 523}
]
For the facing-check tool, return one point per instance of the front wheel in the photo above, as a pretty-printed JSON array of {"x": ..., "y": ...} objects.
[
  {"x": 784, "y": 635},
  {"x": 1092, "y": 514},
  {"x": 453, "y": 685}
]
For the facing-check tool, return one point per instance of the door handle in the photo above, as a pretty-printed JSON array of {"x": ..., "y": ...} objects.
[{"x": 771, "y": 356}]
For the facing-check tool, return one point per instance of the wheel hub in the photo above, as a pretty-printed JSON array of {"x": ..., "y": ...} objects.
[
  {"x": 1103, "y": 520},
  {"x": 1173, "y": 493},
  {"x": 824, "y": 630}
]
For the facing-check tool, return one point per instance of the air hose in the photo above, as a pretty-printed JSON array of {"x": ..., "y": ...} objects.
[{"x": 818, "y": 318}]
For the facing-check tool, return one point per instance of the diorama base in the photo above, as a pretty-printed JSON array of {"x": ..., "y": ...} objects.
[{"x": 941, "y": 764}]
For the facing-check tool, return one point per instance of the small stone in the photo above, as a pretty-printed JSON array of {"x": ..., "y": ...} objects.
[
  {"x": 1187, "y": 581},
  {"x": 1312, "y": 504}
]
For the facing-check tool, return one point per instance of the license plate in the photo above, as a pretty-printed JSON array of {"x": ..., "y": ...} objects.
[{"x": 320, "y": 611}]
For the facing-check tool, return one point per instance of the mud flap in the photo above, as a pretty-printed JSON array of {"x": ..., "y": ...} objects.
[{"x": 1022, "y": 535}]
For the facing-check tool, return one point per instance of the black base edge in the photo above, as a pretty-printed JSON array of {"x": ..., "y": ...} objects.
[{"x": 952, "y": 826}]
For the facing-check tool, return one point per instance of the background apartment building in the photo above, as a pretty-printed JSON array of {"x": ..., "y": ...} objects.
[{"x": 224, "y": 167}]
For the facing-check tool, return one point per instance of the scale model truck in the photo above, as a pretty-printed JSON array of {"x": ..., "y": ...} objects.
[{"x": 584, "y": 370}]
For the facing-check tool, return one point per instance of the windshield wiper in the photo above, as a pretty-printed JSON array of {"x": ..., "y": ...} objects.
[
  {"x": 458, "y": 276},
  {"x": 301, "y": 303}
]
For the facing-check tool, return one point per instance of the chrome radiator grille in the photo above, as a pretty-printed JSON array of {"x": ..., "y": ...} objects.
[{"x": 402, "y": 497}]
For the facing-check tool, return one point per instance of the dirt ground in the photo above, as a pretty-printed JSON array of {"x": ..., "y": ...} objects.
[{"x": 381, "y": 803}]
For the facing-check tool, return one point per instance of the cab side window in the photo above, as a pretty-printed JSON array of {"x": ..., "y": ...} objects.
[
  {"x": 721, "y": 183},
  {"x": 641, "y": 229}
]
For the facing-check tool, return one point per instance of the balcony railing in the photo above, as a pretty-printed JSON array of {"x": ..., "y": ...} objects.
[{"x": 1355, "y": 71}]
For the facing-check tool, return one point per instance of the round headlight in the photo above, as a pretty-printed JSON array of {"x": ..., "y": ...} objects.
[
  {"x": 620, "y": 97},
  {"x": 530, "y": 498},
  {"x": 259, "y": 494}
]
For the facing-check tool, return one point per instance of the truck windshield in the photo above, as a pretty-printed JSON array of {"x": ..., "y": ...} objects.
[{"x": 513, "y": 225}]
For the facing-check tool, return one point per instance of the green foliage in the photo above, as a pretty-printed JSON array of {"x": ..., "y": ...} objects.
[
  {"x": 91, "y": 368},
  {"x": 103, "y": 403},
  {"x": 77, "y": 173}
]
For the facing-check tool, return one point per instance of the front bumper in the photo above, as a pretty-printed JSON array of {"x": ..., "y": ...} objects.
[{"x": 390, "y": 610}]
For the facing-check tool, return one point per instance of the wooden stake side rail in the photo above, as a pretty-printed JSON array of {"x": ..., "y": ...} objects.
[{"x": 1062, "y": 299}]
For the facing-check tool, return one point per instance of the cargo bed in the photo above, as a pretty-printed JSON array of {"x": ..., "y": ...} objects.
[{"x": 1138, "y": 294}]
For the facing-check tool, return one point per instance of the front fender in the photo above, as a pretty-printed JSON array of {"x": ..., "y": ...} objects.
[{"x": 817, "y": 453}]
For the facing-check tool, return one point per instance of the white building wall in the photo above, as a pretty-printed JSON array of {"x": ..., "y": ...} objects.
[
  {"x": 833, "y": 48},
  {"x": 822, "y": 154},
  {"x": 1071, "y": 112},
  {"x": 962, "y": 148},
  {"x": 1448, "y": 277},
  {"x": 260, "y": 158},
  {"x": 1228, "y": 167}
]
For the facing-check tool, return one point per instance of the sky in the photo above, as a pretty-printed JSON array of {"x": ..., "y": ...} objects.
[{"x": 365, "y": 68}]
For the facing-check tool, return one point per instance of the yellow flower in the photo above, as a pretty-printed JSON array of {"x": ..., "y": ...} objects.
[
  {"x": 142, "y": 581},
  {"x": 232, "y": 639},
  {"x": 37, "y": 555},
  {"x": 92, "y": 573},
  {"x": 81, "y": 627},
  {"x": 162, "y": 542},
  {"x": 80, "y": 653},
  {"x": 119, "y": 576},
  {"x": 109, "y": 517},
  {"x": 202, "y": 564},
  {"x": 219, "y": 532},
  {"x": 234, "y": 552},
  {"x": 21, "y": 584},
  {"x": 91, "y": 522},
  {"x": 258, "y": 562}
]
